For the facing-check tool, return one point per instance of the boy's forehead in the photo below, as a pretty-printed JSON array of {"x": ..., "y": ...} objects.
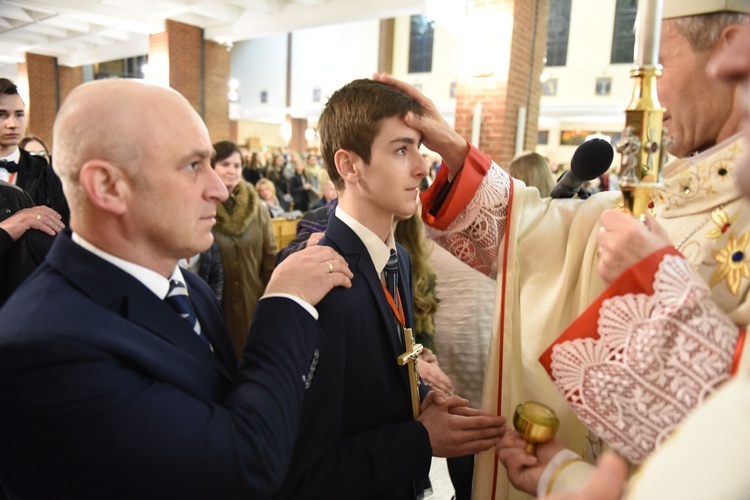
[
  {"x": 390, "y": 124},
  {"x": 394, "y": 128},
  {"x": 11, "y": 102}
]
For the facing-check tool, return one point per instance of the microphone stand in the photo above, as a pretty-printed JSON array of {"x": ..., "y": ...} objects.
[{"x": 643, "y": 146}]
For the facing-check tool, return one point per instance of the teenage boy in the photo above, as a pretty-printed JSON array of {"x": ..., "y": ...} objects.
[
  {"x": 359, "y": 438},
  {"x": 30, "y": 173}
]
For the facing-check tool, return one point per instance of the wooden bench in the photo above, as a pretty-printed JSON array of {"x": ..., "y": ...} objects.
[{"x": 284, "y": 230}]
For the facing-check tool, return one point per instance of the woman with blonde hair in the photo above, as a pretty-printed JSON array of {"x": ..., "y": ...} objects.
[
  {"x": 533, "y": 169},
  {"x": 410, "y": 234},
  {"x": 278, "y": 207}
]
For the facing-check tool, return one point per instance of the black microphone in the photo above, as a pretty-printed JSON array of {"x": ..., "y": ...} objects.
[{"x": 590, "y": 160}]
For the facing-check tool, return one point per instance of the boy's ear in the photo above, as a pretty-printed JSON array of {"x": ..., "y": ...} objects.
[{"x": 348, "y": 164}]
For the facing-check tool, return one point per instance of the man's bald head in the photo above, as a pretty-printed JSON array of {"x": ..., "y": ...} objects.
[
  {"x": 135, "y": 160},
  {"x": 117, "y": 121}
]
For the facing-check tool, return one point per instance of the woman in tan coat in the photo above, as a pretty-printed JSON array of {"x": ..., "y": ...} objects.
[{"x": 246, "y": 242}]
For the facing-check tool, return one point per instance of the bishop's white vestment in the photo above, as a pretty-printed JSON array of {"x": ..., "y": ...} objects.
[{"x": 543, "y": 254}]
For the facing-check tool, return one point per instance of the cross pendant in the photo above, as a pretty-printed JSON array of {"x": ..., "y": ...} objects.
[{"x": 410, "y": 358}]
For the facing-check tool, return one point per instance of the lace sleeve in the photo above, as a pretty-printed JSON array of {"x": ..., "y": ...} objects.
[
  {"x": 475, "y": 235},
  {"x": 658, "y": 357}
]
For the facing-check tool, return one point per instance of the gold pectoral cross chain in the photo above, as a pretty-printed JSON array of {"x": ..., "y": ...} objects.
[{"x": 411, "y": 355}]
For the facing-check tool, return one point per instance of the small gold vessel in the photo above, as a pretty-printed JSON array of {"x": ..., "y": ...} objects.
[{"x": 537, "y": 423}]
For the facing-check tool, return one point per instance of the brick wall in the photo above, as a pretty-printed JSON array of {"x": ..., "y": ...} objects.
[
  {"x": 48, "y": 85},
  {"x": 68, "y": 79},
  {"x": 216, "y": 90},
  {"x": 43, "y": 95},
  {"x": 513, "y": 85},
  {"x": 185, "y": 44},
  {"x": 197, "y": 69},
  {"x": 180, "y": 49},
  {"x": 527, "y": 62}
]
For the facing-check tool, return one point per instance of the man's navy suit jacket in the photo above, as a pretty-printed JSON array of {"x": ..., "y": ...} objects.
[
  {"x": 358, "y": 438},
  {"x": 107, "y": 393}
]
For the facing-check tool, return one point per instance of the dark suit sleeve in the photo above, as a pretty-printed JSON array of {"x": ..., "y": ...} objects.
[
  {"x": 26, "y": 255},
  {"x": 12, "y": 200},
  {"x": 6, "y": 242},
  {"x": 85, "y": 423}
]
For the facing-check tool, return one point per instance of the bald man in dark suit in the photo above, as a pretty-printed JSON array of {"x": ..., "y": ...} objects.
[{"x": 117, "y": 378}]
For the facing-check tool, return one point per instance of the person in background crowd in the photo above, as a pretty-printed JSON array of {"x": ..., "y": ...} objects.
[
  {"x": 294, "y": 157},
  {"x": 300, "y": 188},
  {"x": 316, "y": 175},
  {"x": 329, "y": 193},
  {"x": 33, "y": 174},
  {"x": 275, "y": 173},
  {"x": 277, "y": 207},
  {"x": 409, "y": 234},
  {"x": 533, "y": 170},
  {"x": 35, "y": 147},
  {"x": 248, "y": 248},
  {"x": 427, "y": 181},
  {"x": 207, "y": 265},
  {"x": 253, "y": 170}
]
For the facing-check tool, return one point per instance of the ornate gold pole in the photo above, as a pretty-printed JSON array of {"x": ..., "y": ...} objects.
[{"x": 643, "y": 146}]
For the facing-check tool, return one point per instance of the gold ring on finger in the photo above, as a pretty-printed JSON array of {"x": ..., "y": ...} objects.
[
  {"x": 330, "y": 266},
  {"x": 38, "y": 217}
]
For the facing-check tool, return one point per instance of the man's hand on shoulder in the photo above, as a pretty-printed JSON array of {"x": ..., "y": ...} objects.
[
  {"x": 41, "y": 218},
  {"x": 310, "y": 274},
  {"x": 455, "y": 429},
  {"x": 313, "y": 239}
]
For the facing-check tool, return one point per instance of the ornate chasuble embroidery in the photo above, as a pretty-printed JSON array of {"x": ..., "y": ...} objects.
[
  {"x": 661, "y": 339},
  {"x": 476, "y": 233},
  {"x": 651, "y": 358},
  {"x": 732, "y": 265},
  {"x": 703, "y": 211}
]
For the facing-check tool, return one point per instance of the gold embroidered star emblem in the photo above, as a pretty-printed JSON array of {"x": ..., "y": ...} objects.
[
  {"x": 733, "y": 265},
  {"x": 722, "y": 222}
]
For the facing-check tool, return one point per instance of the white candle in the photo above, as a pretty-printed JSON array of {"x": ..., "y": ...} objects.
[{"x": 648, "y": 32}]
